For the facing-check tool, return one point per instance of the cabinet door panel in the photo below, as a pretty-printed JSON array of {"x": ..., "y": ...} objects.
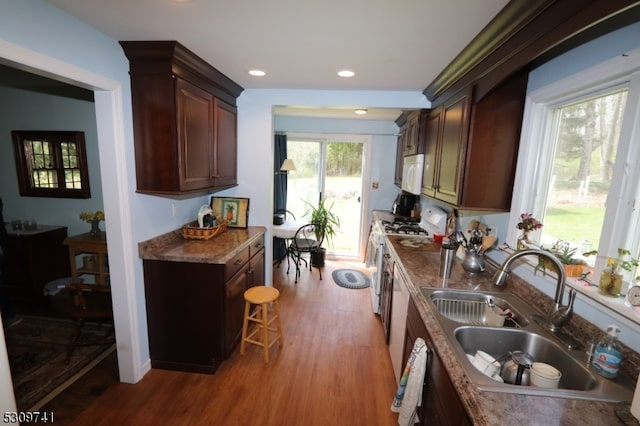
[
  {"x": 386, "y": 295},
  {"x": 397, "y": 178},
  {"x": 257, "y": 269},
  {"x": 431, "y": 132},
  {"x": 234, "y": 306},
  {"x": 454, "y": 136},
  {"x": 195, "y": 124},
  {"x": 225, "y": 169}
]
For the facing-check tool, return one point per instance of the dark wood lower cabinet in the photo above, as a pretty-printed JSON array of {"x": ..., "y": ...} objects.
[
  {"x": 441, "y": 404},
  {"x": 34, "y": 258},
  {"x": 195, "y": 310}
]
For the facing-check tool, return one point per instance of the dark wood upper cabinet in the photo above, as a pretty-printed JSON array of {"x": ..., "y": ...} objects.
[
  {"x": 431, "y": 135},
  {"x": 492, "y": 150},
  {"x": 410, "y": 138},
  {"x": 454, "y": 129},
  {"x": 184, "y": 118},
  {"x": 471, "y": 147}
]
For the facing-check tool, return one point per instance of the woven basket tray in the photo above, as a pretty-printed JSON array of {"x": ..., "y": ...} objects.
[{"x": 191, "y": 231}]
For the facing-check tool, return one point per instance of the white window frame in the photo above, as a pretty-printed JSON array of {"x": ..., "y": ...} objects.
[{"x": 621, "y": 227}]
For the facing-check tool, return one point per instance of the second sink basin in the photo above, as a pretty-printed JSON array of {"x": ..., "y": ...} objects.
[
  {"x": 467, "y": 331},
  {"x": 498, "y": 342}
]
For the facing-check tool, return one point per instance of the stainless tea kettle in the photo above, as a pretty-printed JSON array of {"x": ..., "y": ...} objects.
[{"x": 516, "y": 369}]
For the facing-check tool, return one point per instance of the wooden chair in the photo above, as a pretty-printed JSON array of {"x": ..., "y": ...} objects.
[
  {"x": 92, "y": 302},
  {"x": 308, "y": 239}
]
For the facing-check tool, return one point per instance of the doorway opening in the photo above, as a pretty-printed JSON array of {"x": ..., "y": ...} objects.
[{"x": 331, "y": 167}]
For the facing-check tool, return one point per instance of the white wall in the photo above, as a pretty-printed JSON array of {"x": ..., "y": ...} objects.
[
  {"x": 382, "y": 161},
  {"x": 255, "y": 141},
  {"x": 25, "y": 110},
  {"x": 50, "y": 42}
]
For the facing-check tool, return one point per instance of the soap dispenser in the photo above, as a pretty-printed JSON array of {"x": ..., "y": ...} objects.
[{"x": 607, "y": 354}]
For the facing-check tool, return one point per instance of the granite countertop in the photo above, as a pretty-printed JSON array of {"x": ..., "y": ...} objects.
[
  {"x": 218, "y": 250},
  {"x": 421, "y": 266}
]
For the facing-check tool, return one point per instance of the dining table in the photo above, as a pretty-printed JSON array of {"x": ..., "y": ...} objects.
[{"x": 286, "y": 232}]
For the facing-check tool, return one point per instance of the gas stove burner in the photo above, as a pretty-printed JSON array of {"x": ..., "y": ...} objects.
[
  {"x": 405, "y": 219},
  {"x": 404, "y": 229}
]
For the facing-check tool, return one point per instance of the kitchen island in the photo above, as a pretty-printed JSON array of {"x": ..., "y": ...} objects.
[
  {"x": 421, "y": 267},
  {"x": 194, "y": 291}
]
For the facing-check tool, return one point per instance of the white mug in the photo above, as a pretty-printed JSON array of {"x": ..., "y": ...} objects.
[{"x": 485, "y": 363}]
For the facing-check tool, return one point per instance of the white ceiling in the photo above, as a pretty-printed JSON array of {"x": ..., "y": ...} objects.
[{"x": 390, "y": 44}]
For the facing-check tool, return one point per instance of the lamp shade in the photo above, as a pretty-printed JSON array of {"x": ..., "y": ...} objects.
[{"x": 287, "y": 165}]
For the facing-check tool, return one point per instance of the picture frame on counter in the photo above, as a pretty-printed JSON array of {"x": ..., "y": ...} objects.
[{"x": 234, "y": 210}]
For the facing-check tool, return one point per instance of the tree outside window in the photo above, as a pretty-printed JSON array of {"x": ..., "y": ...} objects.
[{"x": 586, "y": 144}]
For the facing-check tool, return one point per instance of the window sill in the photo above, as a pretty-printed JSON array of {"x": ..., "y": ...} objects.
[{"x": 592, "y": 296}]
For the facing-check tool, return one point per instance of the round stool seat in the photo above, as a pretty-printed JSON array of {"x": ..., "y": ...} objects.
[
  {"x": 266, "y": 325},
  {"x": 261, "y": 294}
]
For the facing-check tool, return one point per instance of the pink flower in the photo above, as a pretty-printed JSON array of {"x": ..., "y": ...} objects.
[{"x": 528, "y": 222}]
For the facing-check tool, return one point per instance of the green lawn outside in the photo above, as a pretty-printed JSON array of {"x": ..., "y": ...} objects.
[
  {"x": 343, "y": 192},
  {"x": 574, "y": 224}
]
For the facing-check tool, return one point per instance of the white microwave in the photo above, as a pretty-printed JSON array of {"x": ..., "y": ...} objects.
[{"x": 412, "y": 173}]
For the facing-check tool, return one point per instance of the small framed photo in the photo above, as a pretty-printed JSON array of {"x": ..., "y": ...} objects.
[{"x": 234, "y": 210}]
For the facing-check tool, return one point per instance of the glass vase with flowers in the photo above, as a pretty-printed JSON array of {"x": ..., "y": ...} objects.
[
  {"x": 94, "y": 219},
  {"x": 611, "y": 277},
  {"x": 527, "y": 224}
]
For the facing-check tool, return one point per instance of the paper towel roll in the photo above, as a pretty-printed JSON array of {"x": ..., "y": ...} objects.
[{"x": 635, "y": 404}]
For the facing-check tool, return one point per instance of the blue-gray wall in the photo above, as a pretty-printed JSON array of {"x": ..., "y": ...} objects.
[{"x": 26, "y": 110}]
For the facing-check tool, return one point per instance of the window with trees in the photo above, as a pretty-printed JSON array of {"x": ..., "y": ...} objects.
[
  {"x": 584, "y": 138},
  {"x": 51, "y": 164},
  {"x": 578, "y": 168}
]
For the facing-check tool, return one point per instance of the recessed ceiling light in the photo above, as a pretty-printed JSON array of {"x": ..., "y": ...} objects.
[
  {"x": 257, "y": 73},
  {"x": 360, "y": 111},
  {"x": 346, "y": 73}
]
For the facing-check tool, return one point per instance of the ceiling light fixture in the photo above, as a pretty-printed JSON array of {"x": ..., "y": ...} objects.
[
  {"x": 257, "y": 73},
  {"x": 346, "y": 73},
  {"x": 360, "y": 111}
]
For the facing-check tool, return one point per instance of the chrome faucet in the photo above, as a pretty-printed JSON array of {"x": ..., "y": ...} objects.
[{"x": 559, "y": 314}]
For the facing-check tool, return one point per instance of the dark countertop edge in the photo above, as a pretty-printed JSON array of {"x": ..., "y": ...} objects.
[
  {"x": 486, "y": 407},
  {"x": 40, "y": 229},
  {"x": 163, "y": 246}
]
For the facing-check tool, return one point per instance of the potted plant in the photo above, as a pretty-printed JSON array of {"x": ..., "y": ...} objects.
[
  {"x": 329, "y": 224},
  {"x": 573, "y": 267},
  {"x": 611, "y": 276}
]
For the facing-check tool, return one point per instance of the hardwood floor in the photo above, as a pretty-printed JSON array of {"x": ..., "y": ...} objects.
[{"x": 333, "y": 369}]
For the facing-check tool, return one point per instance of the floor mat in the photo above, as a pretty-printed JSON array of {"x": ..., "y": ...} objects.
[
  {"x": 37, "y": 348},
  {"x": 350, "y": 278}
]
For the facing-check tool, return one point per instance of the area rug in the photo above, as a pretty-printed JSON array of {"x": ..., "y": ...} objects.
[
  {"x": 37, "y": 348},
  {"x": 350, "y": 278}
]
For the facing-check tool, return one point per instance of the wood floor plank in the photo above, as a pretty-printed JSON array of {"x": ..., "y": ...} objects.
[{"x": 333, "y": 369}]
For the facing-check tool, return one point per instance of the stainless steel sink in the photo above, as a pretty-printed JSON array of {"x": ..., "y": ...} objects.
[
  {"x": 475, "y": 308},
  {"x": 498, "y": 342},
  {"x": 578, "y": 379}
]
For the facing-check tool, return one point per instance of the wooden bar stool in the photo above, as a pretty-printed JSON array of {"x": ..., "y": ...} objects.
[{"x": 262, "y": 297}]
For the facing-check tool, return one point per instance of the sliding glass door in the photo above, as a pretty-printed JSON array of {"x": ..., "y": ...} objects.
[{"x": 333, "y": 169}]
